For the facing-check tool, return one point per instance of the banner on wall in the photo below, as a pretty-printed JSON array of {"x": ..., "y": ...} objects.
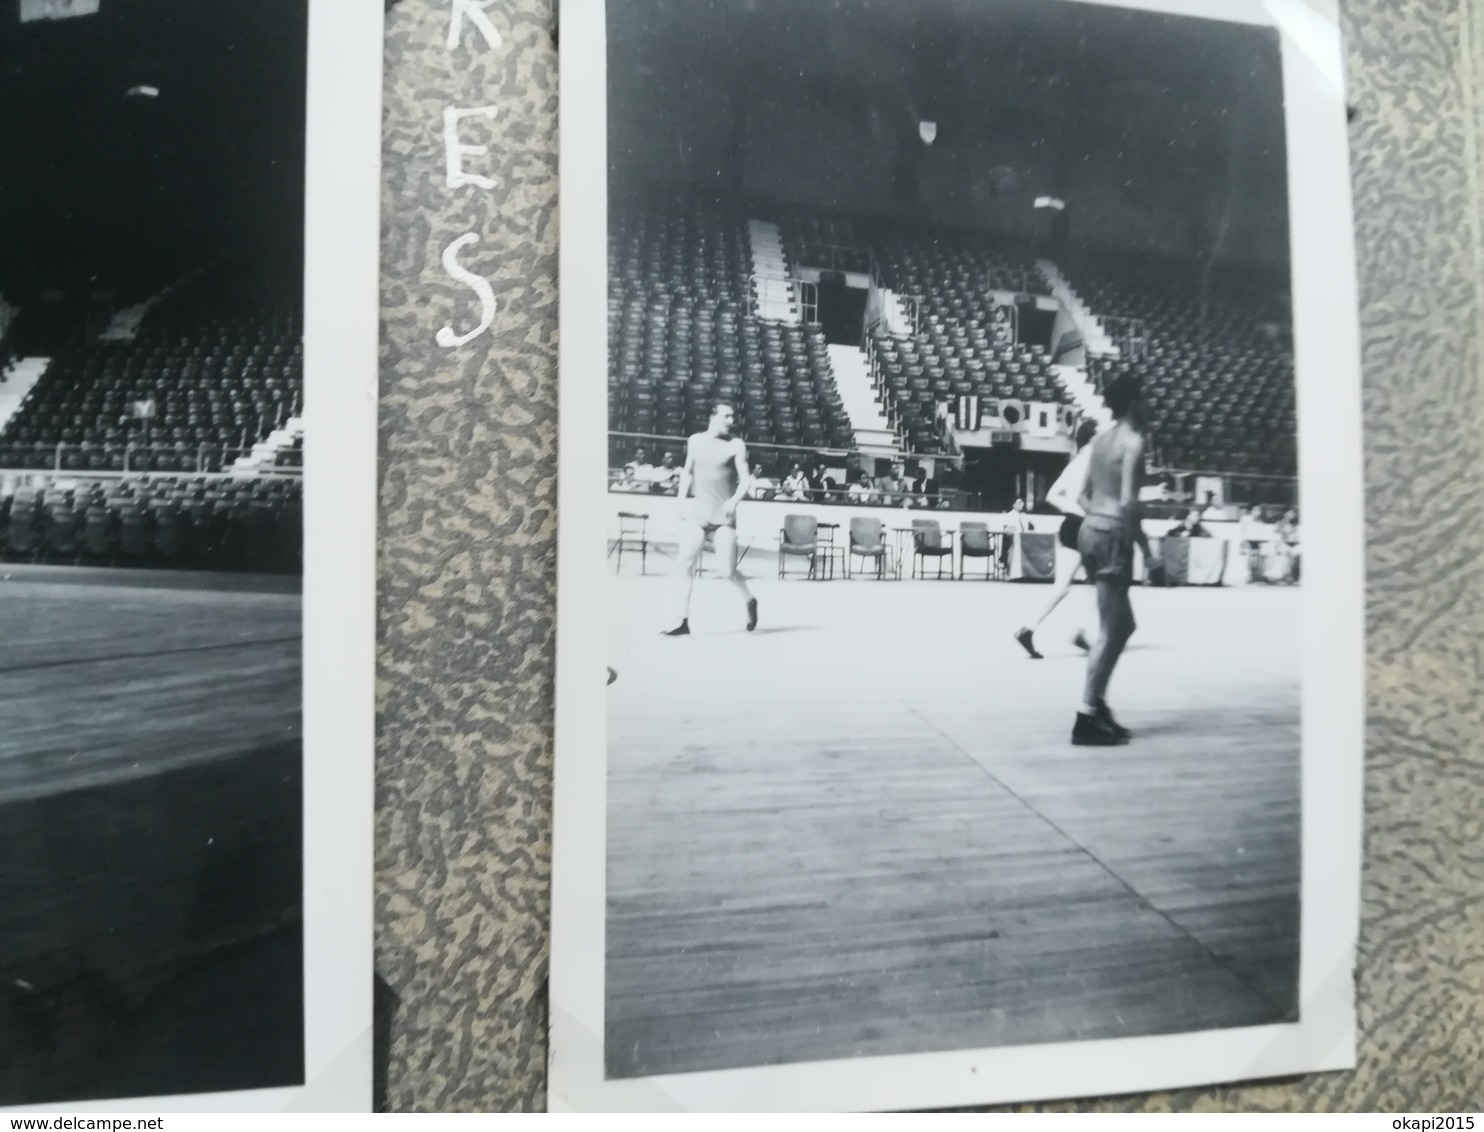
[{"x": 968, "y": 413}]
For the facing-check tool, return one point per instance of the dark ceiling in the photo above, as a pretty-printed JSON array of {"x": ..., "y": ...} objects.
[
  {"x": 99, "y": 187},
  {"x": 1192, "y": 105}
]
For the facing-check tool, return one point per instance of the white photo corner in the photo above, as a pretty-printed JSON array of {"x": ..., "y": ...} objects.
[
  {"x": 188, "y": 348},
  {"x": 956, "y": 701}
]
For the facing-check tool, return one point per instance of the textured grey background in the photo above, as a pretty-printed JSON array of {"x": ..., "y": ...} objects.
[{"x": 466, "y": 609}]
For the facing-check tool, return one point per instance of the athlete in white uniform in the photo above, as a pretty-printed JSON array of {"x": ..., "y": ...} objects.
[
  {"x": 1063, "y": 496},
  {"x": 716, "y": 467}
]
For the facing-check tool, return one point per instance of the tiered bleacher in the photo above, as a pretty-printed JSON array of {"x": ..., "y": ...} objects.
[
  {"x": 949, "y": 360},
  {"x": 116, "y": 449},
  {"x": 1220, "y": 387},
  {"x": 1218, "y": 374},
  {"x": 819, "y": 240},
  {"x": 213, "y": 370},
  {"x": 957, "y": 350},
  {"x": 682, "y": 336},
  {"x": 164, "y": 521},
  {"x": 953, "y": 273}
]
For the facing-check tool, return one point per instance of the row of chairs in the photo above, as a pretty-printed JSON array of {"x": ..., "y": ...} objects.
[
  {"x": 805, "y": 537},
  {"x": 256, "y": 530}
]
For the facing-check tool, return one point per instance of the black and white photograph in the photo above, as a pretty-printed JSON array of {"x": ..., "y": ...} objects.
[
  {"x": 153, "y": 447},
  {"x": 957, "y": 601}
]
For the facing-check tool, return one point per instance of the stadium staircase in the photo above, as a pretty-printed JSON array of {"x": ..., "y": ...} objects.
[
  {"x": 897, "y": 317},
  {"x": 265, "y": 453},
  {"x": 125, "y": 323},
  {"x": 20, "y": 379},
  {"x": 873, "y": 434},
  {"x": 1075, "y": 379},
  {"x": 1094, "y": 334},
  {"x": 773, "y": 294},
  {"x": 1084, "y": 394}
]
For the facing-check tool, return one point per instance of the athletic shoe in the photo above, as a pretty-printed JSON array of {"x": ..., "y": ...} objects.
[
  {"x": 1090, "y": 731},
  {"x": 1105, "y": 717},
  {"x": 1080, "y": 640},
  {"x": 1027, "y": 641},
  {"x": 681, "y": 630},
  {"x": 612, "y": 676},
  {"x": 751, "y": 614}
]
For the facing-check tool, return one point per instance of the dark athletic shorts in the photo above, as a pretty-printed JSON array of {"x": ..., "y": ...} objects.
[
  {"x": 1107, "y": 549},
  {"x": 1067, "y": 536}
]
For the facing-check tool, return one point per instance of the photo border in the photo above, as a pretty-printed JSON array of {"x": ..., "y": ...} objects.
[
  {"x": 341, "y": 353},
  {"x": 1332, "y": 640}
]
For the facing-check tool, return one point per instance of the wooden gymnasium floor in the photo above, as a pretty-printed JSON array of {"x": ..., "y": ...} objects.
[
  {"x": 150, "y": 833},
  {"x": 110, "y": 674},
  {"x": 862, "y": 829}
]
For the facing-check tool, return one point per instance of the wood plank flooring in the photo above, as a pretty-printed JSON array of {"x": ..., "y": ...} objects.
[
  {"x": 150, "y": 833},
  {"x": 862, "y": 830},
  {"x": 101, "y": 682}
]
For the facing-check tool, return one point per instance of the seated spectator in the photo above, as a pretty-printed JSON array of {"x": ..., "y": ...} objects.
[
  {"x": 628, "y": 481},
  {"x": 641, "y": 467},
  {"x": 763, "y": 485},
  {"x": 862, "y": 490},
  {"x": 919, "y": 488},
  {"x": 1252, "y": 536},
  {"x": 796, "y": 485},
  {"x": 821, "y": 484},
  {"x": 1287, "y": 546},
  {"x": 1190, "y": 526},
  {"x": 665, "y": 478},
  {"x": 890, "y": 488}
]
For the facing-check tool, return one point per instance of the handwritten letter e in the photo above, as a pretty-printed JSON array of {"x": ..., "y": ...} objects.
[{"x": 454, "y": 152}]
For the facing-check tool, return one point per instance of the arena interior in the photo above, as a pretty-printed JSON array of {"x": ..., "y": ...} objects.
[
  {"x": 909, "y": 244},
  {"x": 151, "y": 468}
]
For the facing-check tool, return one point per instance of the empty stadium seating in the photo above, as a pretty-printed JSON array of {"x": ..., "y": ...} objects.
[
  {"x": 951, "y": 273},
  {"x": 950, "y": 359},
  {"x": 819, "y": 240},
  {"x": 1219, "y": 375},
  {"x": 682, "y": 336},
  {"x": 949, "y": 276},
  {"x": 220, "y": 363},
  {"x": 1220, "y": 388},
  {"x": 205, "y": 522}
]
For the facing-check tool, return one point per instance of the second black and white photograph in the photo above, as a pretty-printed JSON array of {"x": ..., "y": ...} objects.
[{"x": 955, "y": 533}]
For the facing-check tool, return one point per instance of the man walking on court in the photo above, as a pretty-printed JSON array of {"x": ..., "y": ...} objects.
[
  {"x": 1110, "y": 529},
  {"x": 716, "y": 466},
  {"x": 1063, "y": 496}
]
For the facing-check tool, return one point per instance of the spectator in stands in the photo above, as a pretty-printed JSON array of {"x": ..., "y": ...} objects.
[
  {"x": 1287, "y": 544},
  {"x": 862, "y": 490},
  {"x": 889, "y": 487},
  {"x": 664, "y": 478},
  {"x": 1250, "y": 537},
  {"x": 1190, "y": 526},
  {"x": 796, "y": 485},
  {"x": 919, "y": 488},
  {"x": 763, "y": 486},
  {"x": 627, "y": 481},
  {"x": 640, "y": 466},
  {"x": 1015, "y": 524},
  {"x": 817, "y": 481}
]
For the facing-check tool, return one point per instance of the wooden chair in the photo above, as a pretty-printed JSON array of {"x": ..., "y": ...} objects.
[
  {"x": 928, "y": 542},
  {"x": 868, "y": 542},
  {"x": 633, "y": 537},
  {"x": 975, "y": 541},
  {"x": 799, "y": 538}
]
